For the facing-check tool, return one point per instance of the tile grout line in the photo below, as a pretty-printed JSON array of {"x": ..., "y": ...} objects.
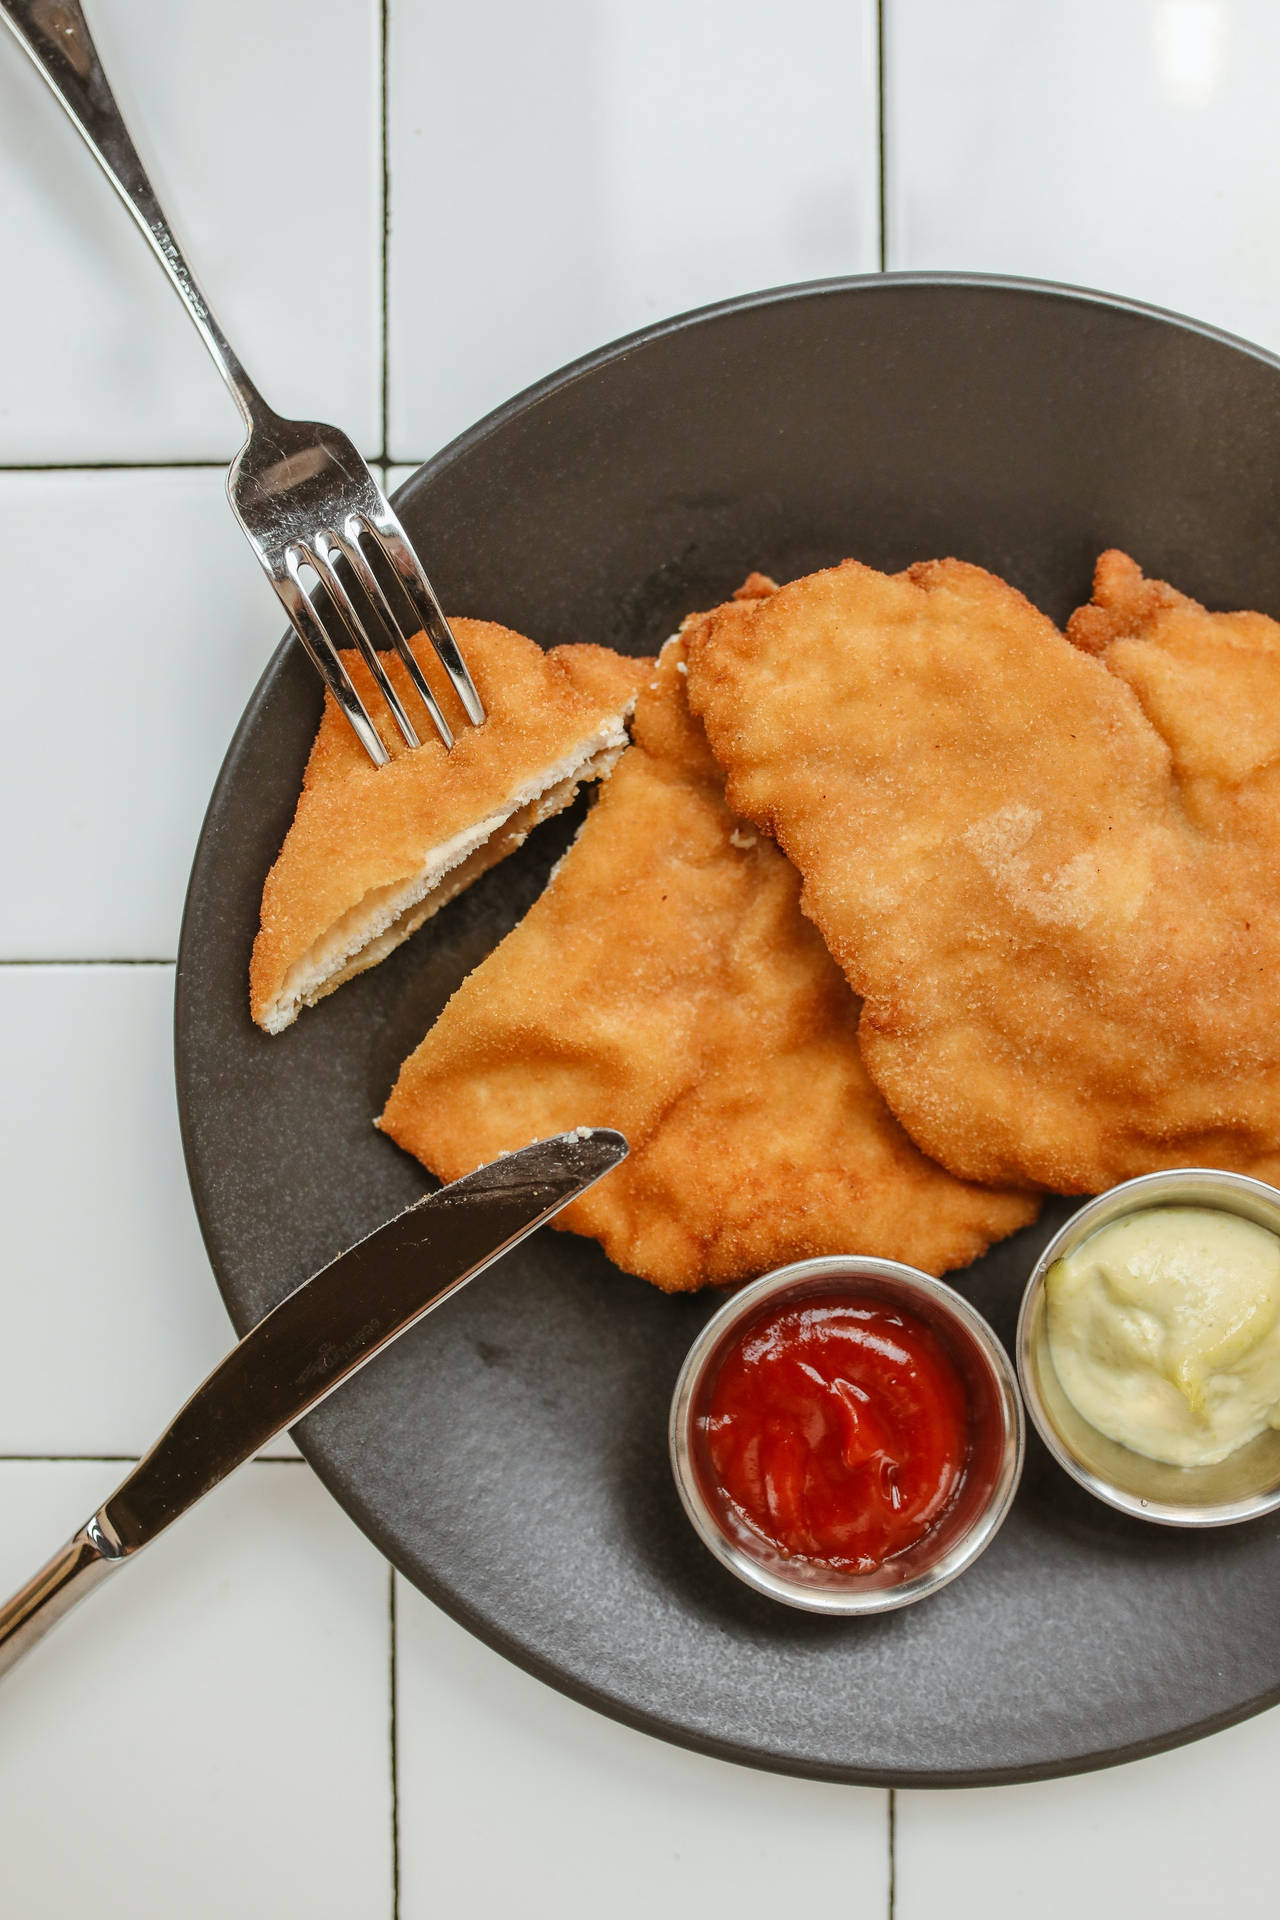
[
  {"x": 880, "y": 120},
  {"x": 386, "y": 239},
  {"x": 130, "y": 466},
  {"x": 128, "y": 1460},
  {"x": 395, "y": 1756},
  {"x": 893, "y": 1854},
  {"x": 111, "y": 466},
  {"x": 69, "y": 1459},
  {"x": 89, "y": 963}
]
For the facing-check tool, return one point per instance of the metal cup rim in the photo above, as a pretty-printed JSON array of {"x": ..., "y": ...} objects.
[
  {"x": 845, "y": 1596},
  {"x": 1173, "y": 1186}
]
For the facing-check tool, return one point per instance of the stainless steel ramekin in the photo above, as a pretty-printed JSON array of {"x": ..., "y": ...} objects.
[
  {"x": 996, "y": 1440},
  {"x": 1247, "y": 1482}
]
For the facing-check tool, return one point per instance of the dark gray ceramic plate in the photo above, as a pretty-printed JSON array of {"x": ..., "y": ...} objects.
[{"x": 510, "y": 1456}]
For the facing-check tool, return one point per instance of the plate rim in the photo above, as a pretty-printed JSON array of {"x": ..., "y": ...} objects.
[{"x": 598, "y": 1698}]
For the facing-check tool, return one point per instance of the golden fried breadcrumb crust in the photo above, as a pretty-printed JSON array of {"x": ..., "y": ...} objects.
[
  {"x": 666, "y": 983},
  {"x": 373, "y": 850},
  {"x": 1048, "y": 864},
  {"x": 1209, "y": 683}
]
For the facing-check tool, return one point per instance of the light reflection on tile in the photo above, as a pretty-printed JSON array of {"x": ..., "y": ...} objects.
[
  {"x": 565, "y": 173},
  {"x": 1127, "y": 148}
]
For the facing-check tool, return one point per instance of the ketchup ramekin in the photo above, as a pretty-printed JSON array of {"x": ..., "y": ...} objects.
[{"x": 996, "y": 1440}]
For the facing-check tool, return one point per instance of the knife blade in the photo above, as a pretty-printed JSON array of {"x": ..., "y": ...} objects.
[{"x": 318, "y": 1337}]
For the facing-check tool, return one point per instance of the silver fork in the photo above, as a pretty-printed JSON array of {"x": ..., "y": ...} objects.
[{"x": 309, "y": 506}]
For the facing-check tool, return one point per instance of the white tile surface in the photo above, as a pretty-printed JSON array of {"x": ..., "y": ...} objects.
[
  {"x": 138, "y": 622},
  {"x": 261, "y": 126},
  {"x": 1187, "y": 1834},
  {"x": 210, "y": 1735},
  {"x": 1123, "y": 147},
  {"x": 109, "y": 1315},
  {"x": 207, "y": 1735},
  {"x": 516, "y": 1800},
  {"x": 561, "y": 174}
]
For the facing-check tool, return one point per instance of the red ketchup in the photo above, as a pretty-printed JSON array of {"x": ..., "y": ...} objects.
[{"x": 837, "y": 1430}]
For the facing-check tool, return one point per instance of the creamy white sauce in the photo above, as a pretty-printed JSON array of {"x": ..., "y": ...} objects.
[{"x": 1164, "y": 1329}]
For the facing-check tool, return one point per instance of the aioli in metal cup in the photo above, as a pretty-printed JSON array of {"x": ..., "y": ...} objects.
[{"x": 1243, "y": 1486}]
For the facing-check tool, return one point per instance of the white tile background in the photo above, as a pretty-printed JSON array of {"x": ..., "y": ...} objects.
[
  {"x": 570, "y": 171},
  {"x": 214, "y": 1735}
]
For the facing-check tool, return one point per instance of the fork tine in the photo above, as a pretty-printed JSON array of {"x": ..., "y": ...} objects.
[
  {"x": 324, "y": 658},
  {"x": 354, "y": 555},
  {"x": 327, "y": 550},
  {"x": 394, "y": 542}
]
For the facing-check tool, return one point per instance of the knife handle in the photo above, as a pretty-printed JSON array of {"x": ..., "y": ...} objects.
[{"x": 73, "y": 1572}]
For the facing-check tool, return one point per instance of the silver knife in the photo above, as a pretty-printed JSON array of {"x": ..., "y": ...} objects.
[{"x": 326, "y": 1330}]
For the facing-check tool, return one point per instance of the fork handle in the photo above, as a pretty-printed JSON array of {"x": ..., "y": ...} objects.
[{"x": 55, "y": 35}]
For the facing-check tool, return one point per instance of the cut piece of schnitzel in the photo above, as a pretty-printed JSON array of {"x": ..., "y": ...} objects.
[
  {"x": 666, "y": 983},
  {"x": 375, "y": 851},
  {"x": 1049, "y": 868}
]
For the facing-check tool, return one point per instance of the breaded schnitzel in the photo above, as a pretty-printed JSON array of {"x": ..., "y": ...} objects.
[
  {"x": 375, "y": 851},
  {"x": 667, "y": 983},
  {"x": 1050, "y": 869},
  {"x": 1209, "y": 683}
]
